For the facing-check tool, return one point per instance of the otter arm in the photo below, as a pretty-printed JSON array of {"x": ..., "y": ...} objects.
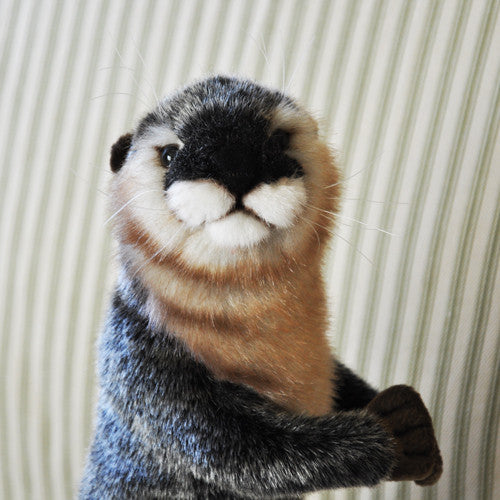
[
  {"x": 224, "y": 434},
  {"x": 351, "y": 391},
  {"x": 257, "y": 453}
]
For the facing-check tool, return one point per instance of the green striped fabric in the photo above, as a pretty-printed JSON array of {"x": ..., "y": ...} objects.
[{"x": 407, "y": 92}]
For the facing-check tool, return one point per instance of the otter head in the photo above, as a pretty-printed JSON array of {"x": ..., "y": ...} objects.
[{"x": 224, "y": 174}]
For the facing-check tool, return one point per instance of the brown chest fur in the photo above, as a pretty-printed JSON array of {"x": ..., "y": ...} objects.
[{"x": 270, "y": 338}]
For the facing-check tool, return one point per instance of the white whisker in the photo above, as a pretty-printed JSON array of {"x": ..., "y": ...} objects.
[
  {"x": 139, "y": 88},
  {"x": 147, "y": 72},
  {"x": 336, "y": 235},
  {"x": 104, "y": 68},
  {"x": 347, "y": 178},
  {"x": 307, "y": 221},
  {"x": 283, "y": 66},
  {"x": 119, "y": 93},
  {"x": 130, "y": 201},
  {"x": 160, "y": 210},
  {"x": 258, "y": 45},
  {"x": 355, "y": 249},
  {"x": 352, "y": 219},
  {"x": 132, "y": 73},
  {"x": 373, "y": 201},
  {"x": 292, "y": 76},
  {"x": 87, "y": 181},
  {"x": 366, "y": 225},
  {"x": 158, "y": 252}
]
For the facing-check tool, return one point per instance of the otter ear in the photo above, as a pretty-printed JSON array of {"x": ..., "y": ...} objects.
[{"x": 119, "y": 152}]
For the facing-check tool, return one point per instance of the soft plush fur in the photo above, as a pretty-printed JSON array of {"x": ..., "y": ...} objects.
[{"x": 216, "y": 376}]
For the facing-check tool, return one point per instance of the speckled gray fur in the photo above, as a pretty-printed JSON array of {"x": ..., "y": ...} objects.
[{"x": 167, "y": 429}]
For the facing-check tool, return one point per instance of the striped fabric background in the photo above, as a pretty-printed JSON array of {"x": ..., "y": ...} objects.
[{"x": 408, "y": 92}]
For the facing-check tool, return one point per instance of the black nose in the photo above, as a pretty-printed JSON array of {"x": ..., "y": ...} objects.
[{"x": 238, "y": 167}]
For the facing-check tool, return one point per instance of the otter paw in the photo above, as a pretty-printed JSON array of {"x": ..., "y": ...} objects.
[{"x": 405, "y": 416}]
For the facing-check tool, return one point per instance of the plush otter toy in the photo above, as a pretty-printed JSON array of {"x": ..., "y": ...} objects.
[{"x": 216, "y": 376}]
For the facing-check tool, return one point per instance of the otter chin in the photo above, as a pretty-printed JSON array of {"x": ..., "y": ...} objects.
[{"x": 237, "y": 229}]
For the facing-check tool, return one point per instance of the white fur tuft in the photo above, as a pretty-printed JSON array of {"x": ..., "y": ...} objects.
[
  {"x": 237, "y": 230},
  {"x": 200, "y": 201},
  {"x": 278, "y": 203}
]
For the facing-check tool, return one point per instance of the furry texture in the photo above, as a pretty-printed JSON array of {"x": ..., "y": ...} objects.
[
  {"x": 216, "y": 376},
  {"x": 229, "y": 237},
  {"x": 402, "y": 410},
  {"x": 167, "y": 428}
]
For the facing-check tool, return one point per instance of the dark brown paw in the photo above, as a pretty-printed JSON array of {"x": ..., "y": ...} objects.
[
  {"x": 434, "y": 476},
  {"x": 404, "y": 414}
]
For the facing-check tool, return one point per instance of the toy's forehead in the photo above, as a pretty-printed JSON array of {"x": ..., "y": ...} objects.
[{"x": 219, "y": 102}]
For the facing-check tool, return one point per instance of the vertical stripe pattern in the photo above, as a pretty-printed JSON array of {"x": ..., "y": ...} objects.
[{"x": 408, "y": 93}]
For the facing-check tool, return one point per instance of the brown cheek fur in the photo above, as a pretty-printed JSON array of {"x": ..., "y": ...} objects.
[{"x": 262, "y": 324}]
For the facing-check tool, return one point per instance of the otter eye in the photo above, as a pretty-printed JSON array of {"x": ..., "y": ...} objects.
[
  {"x": 281, "y": 138},
  {"x": 167, "y": 154}
]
